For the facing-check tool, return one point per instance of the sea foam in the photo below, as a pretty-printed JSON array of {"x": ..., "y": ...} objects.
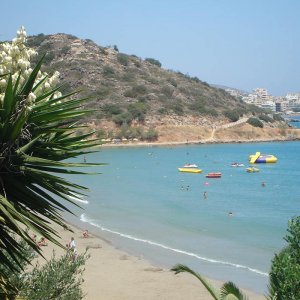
[{"x": 83, "y": 218}]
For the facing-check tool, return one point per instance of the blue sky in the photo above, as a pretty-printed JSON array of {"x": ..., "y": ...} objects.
[{"x": 237, "y": 43}]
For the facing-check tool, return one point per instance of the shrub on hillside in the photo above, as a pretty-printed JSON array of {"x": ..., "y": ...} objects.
[
  {"x": 123, "y": 118},
  {"x": 111, "y": 109},
  {"x": 265, "y": 118},
  {"x": 177, "y": 108},
  {"x": 278, "y": 117},
  {"x": 166, "y": 90},
  {"x": 255, "y": 122},
  {"x": 135, "y": 91},
  {"x": 153, "y": 61},
  {"x": 108, "y": 71},
  {"x": 123, "y": 59},
  {"x": 150, "y": 135},
  {"x": 232, "y": 115},
  {"x": 172, "y": 81},
  {"x": 137, "y": 110}
]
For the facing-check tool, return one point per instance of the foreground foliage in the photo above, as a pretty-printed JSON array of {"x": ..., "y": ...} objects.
[
  {"x": 228, "y": 291},
  {"x": 59, "y": 278},
  {"x": 37, "y": 134},
  {"x": 285, "y": 271}
]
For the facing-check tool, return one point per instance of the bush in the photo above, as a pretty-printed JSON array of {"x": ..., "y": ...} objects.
[
  {"x": 232, "y": 115},
  {"x": 108, "y": 71},
  {"x": 36, "y": 41},
  {"x": 150, "y": 135},
  {"x": 265, "y": 118},
  {"x": 153, "y": 61},
  {"x": 58, "y": 279},
  {"x": 111, "y": 109},
  {"x": 173, "y": 82},
  {"x": 123, "y": 118},
  {"x": 65, "y": 49},
  {"x": 162, "y": 111},
  {"x": 102, "y": 92},
  {"x": 135, "y": 91},
  {"x": 255, "y": 122},
  {"x": 128, "y": 76},
  {"x": 177, "y": 107},
  {"x": 278, "y": 117},
  {"x": 167, "y": 91},
  {"x": 285, "y": 269},
  {"x": 137, "y": 110},
  {"x": 123, "y": 59}
]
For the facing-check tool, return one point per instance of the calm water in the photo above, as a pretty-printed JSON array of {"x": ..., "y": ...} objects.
[
  {"x": 296, "y": 124},
  {"x": 145, "y": 206}
]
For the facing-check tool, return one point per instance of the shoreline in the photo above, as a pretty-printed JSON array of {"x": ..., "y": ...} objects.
[
  {"x": 111, "y": 273},
  {"x": 197, "y": 142}
]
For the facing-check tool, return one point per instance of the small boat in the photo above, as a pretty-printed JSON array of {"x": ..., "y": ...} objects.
[
  {"x": 190, "y": 166},
  {"x": 214, "y": 175},
  {"x": 190, "y": 170},
  {"x": 235, "y": 164},
  {"x": 252, "y": 170},
  {"x": 262, "y": 158}
]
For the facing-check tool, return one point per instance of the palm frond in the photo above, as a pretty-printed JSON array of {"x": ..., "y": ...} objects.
[
  {"x": 229, "y": 291},
  {"x": 182, "y": 268}
]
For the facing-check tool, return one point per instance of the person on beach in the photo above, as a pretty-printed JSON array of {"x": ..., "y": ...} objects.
[
  {"x": 42, "y": 242},
  {"x": 71, "y": 244},
  {"x": 85, "y": 234},
  {"x": 33, "y": 237},
  {"x": 74, "y": 254}
]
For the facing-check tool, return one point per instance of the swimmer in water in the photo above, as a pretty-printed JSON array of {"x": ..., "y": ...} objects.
[
  {"x": 204, "y": 195},
  {"x": 230, "y": 213}
]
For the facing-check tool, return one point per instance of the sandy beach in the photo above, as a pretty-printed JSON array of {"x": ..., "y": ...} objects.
[{"x": 113, "y": 274}]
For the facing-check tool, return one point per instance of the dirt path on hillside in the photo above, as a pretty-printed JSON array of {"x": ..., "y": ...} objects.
[{"x": 232, "y": 124}]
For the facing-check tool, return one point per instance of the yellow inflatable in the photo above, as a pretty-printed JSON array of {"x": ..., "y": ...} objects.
[{"x": 258, "y": 158}]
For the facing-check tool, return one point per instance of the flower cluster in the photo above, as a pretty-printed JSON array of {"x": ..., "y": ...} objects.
[{"x": 15, "y": 61}]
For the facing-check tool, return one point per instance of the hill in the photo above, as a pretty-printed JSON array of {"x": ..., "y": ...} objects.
[{"x": 136, "y": 98}]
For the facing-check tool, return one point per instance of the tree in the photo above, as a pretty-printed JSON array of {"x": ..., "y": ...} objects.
[
  {"x": 228, "y": 291},
  {"x": 284, "y": 279},
  {"x": 37, "y": 135}
]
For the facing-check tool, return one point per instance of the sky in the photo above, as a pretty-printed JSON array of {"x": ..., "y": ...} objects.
[{"x": 242, "y": 44}]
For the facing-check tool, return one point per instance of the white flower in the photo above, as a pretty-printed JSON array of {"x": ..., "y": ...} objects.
[
  {"x": 2, "y": 82},
  {"x": 31, "y": 97}
]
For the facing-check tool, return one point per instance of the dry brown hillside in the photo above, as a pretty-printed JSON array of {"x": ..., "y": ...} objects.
[{"x": 138, "y": 99}]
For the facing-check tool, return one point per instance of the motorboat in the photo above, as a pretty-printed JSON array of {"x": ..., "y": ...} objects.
[
  {"x": 252, "y": 170},
  {"x": 190, "y": 166},
  {"x": 235, "y": 164},
  {"x": 190, "y": 170},
  {"x": 214, "y": 175},
  {"x": 262, "y": 158}
]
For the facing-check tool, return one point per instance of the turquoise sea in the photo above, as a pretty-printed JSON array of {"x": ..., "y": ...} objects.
[{"x": 146, "y": 207}]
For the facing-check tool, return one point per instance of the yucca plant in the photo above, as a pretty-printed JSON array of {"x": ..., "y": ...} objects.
[
  {"x": 37, "y": 136},
  {"x": 228, "y": 291}
]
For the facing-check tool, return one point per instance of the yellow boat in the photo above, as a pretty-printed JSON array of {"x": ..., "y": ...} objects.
[
  {"x": 190, "y": 170},
  {"x": 252, "y": 170}
]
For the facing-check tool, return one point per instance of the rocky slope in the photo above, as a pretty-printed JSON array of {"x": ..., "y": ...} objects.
[{"x": 137, "y": 98}]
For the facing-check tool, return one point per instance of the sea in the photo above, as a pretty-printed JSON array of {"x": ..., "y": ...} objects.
[
  {"x": 146, "y": 207},
  {"x": 295, "y": 121}
]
